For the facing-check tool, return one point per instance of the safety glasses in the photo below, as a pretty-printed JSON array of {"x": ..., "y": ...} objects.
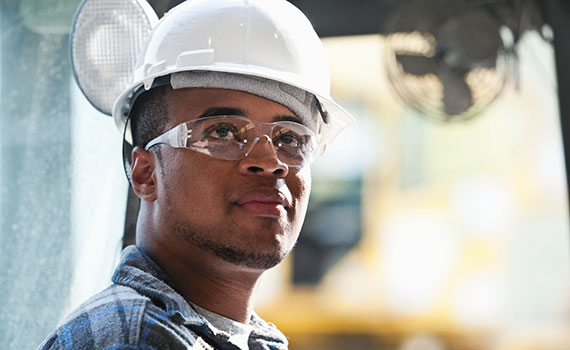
[{"x": 234, "y": 137}]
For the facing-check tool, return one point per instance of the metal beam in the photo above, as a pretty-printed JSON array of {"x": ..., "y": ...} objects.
[
  {"x": 341, "y": 17},
  {"x": 557, "y": 15}
]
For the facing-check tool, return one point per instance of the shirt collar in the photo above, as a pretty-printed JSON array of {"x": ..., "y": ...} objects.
[
  {"x": 139, "y": 272},
  {"x": 136, "y": 270}
]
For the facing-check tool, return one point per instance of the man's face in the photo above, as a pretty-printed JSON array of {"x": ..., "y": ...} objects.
[{"x": 248, "y": 212}]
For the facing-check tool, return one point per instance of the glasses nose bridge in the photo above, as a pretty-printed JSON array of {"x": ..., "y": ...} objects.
[
  {"x": 256, "y": 141},
  {"x": 263, "y": 129},
  {"x": 258, "y": 131}
]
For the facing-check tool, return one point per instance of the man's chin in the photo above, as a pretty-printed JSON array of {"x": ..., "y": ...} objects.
[
  {"x": 256, "y": 261},
  {"x": 269, "y": 250},
  {"x": 253, "y": 260}
]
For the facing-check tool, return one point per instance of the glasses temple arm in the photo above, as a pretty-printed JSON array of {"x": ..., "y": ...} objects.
[{"x": 175, "y": 137}]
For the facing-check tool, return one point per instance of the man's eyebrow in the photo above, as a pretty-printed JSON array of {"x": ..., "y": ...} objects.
[
  {"x": 221, "y": 111},
  {"x": 288, "y": 118},
  {"x": 236, "y": 111}
]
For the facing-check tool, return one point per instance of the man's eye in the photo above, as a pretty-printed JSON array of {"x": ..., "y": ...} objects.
[
  {"x": 290, "y": 140},
  {"x": 222, "y": 132}
]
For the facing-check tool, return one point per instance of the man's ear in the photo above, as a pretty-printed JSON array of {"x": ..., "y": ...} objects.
[{"x": 143, "y": 174}]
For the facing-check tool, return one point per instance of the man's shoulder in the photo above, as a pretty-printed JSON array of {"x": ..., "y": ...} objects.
[
  {"x": 113, "y": 316},
  {"x": 121, "y": 318}
]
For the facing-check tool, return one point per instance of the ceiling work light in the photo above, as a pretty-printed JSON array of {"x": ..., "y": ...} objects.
[{"x": 106, "y": 38}]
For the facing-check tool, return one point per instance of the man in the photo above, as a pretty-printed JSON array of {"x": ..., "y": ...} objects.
[{"x": 229, "y": 105}]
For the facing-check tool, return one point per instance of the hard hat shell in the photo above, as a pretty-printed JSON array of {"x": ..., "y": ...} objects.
[{"x": 265, "y": 38}]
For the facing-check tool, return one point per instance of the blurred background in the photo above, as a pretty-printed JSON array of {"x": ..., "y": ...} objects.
[{"x": 439, "y": 221}]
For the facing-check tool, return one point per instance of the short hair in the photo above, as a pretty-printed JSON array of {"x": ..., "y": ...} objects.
[{"x": 149, "y": 116}]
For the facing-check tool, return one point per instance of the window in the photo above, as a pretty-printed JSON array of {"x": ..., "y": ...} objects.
[{"x": 63, "y": 193}]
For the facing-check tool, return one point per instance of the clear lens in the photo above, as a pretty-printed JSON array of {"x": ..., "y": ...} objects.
[
  {"x": 233, "y": 137},
  {"x": 293, "y": 142}
]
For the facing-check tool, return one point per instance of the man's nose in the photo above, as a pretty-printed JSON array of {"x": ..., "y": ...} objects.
[{"x": 263, "y": 160}]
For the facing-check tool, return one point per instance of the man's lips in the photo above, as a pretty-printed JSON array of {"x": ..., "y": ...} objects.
[{"x": 263, "y": 203}]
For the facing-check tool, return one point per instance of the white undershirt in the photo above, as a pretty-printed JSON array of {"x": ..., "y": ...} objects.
[{"x": 238, "y": 332}]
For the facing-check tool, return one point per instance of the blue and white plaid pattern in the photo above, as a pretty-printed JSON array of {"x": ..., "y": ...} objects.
[{"x": 141, "y": 310}]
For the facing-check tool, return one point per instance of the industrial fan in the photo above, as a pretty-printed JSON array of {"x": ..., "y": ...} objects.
[{"x": 451, "y": 58}]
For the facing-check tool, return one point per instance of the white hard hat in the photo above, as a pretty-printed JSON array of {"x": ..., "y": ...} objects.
[{"x": 270, "y": 39}]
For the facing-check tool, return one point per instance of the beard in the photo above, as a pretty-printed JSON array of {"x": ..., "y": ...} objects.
[
  {"x": 235, "y": 255},
  {"x": 245, "y": 255}
]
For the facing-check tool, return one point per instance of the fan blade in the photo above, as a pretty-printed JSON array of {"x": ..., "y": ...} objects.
[
  {"x": 417, "y": 65},
  {"x": 457, "y": 96},
  {"x": 469, "y": 40}
]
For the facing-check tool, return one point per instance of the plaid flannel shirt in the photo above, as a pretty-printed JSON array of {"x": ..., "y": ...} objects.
[{"x": 141, "y": 310}]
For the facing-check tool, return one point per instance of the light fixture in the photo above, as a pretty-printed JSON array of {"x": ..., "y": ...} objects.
[{"x": 106, "y": 38}]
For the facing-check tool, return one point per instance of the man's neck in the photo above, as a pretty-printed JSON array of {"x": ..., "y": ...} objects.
[{"x": 205, "y": 280}]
